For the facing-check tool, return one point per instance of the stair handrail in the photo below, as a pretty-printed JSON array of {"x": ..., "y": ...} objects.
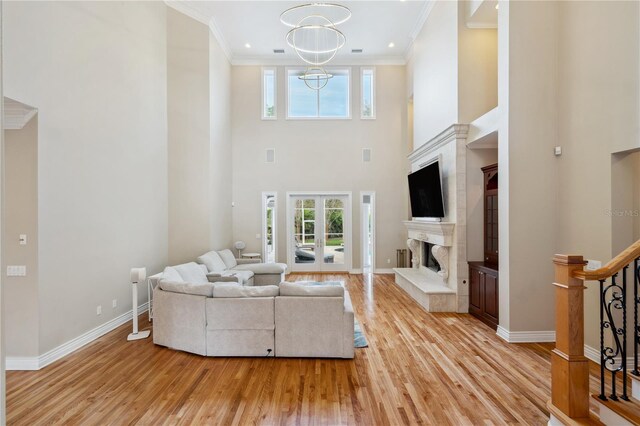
[{"x": 612, "y": 267}]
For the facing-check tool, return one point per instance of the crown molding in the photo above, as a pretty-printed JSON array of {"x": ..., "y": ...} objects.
[
  {"x": 185, "y": 9},
  {"x": 294, "y": 61},
  {"x": 17, "y": 114},
  {"x": 422, "y": 19}
]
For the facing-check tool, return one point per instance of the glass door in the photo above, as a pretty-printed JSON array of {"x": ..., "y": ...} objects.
[{"x": 320, "y": 233}]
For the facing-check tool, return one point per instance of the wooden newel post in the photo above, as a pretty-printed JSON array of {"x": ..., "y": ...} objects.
[{"x": 569, "y": 367}]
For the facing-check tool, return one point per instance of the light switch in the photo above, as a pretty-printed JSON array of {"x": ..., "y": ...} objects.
[
  {"x": 23, "y": 239},
  {"x": 558, "y": 151},
  {"x": 257, "y": 236}
]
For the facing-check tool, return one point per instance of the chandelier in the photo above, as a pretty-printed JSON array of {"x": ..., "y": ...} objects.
[{"x": 315, "y": 38}]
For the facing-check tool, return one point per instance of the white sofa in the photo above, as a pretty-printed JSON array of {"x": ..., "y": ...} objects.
[
  {"x": 248, "y": 271},
  {"x": 227, "y": 319}
]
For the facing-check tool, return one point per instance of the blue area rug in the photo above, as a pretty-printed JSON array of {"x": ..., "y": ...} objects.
[{"x": 359, "y": 341}]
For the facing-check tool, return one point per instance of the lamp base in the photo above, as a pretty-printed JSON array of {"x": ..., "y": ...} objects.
[{"x": 139, "y": 335}]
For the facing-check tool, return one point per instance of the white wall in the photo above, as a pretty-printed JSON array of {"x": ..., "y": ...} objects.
[
  {"x": 435, "y": 73},
  {"x": 97, "y": 74},
  {"x": 321, "y": 155},
  {"x": 189, "y": 137},
  {"x": 21, "y": 309},
  {"x": 220, "y": 147}
]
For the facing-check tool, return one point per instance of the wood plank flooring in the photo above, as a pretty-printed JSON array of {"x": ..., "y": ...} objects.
[{"x": 419, "y": 368}]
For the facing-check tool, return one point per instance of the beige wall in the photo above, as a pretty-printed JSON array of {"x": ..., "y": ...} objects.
[
  {"x": 598, "y": 106},
  {"x": 528, "y": 197},
  {"x": 189, "y": 137},
  {"x": 321, "y": 155},
  {"x": 97, "y": 74},
  {"x": 477, "y": 69},
  {"x": 21, "y": 217}
]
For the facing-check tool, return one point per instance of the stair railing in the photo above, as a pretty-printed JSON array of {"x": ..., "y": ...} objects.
[{"x": 569, "y": 366}]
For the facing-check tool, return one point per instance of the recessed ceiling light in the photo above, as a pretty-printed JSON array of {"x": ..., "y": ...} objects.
[
  {"x": 392, "y": 44},
  {"x": 247, "y": 45}
]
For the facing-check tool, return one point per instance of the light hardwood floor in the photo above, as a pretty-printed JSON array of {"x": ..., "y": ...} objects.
[{"x": 419, "y": 368}]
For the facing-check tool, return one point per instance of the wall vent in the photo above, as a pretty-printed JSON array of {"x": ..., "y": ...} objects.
[
  {"x": 356, "y": 50},
  {"x": 278, "y": 50},
  {"x": 366, "y": 155},
  {"x": 271, "y": 155}
]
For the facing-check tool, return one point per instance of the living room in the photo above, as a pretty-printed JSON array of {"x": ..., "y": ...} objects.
[{"x": 160, "y": 134}]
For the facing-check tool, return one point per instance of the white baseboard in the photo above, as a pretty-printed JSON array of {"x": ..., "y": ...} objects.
[
  {"x": 384, "y": 271},
  {"x": 36, "y": 363},
  {"x": 355, "y": 271},
  {"x": 593, "y": 354},
  {"x": 526, "y": 336}
]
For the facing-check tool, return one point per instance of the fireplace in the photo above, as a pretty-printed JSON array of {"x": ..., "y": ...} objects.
[{"x": 428, "y": 259}]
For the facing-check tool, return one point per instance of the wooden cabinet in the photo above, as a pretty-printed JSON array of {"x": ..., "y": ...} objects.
[
  {"x": 483, "y": 293},
  {"x": 491, "y": 214},
  {"x": 483, "y": 275}
]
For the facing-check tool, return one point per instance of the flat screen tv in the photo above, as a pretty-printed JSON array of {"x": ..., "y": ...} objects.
[{"x": 425, "y": 191}]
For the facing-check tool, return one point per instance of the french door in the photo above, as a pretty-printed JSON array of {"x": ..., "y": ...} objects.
[{"x": 319, "y": 231}]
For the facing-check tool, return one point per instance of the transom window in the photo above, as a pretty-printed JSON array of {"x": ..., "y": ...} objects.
[{"x": 332, "y": 101}]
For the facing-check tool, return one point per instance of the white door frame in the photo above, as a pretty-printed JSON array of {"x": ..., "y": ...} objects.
[
  {"x": 263, "y": 228},
  {"x": 363, "y": 230},
  {"x": 348, "y": 243}
]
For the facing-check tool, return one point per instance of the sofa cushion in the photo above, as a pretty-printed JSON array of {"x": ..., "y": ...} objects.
[
  {"x": 263, "y": 268},
  {"x": 192, "y": 273},
  {"x": 302, "y": 289},
  {"x": 171, "y": 274},
  {"x": 231, "y": 290},
  {"x": 187, "y": 288},
  {"x": 243, "y": 276},
  {"x": 228, "y": 258},
  {"x": 212, "y": 261}
]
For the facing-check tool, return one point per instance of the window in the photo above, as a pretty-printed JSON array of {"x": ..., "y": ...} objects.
[
  {"x": 368, "y": 99},
  {"x": 332, "y": 101},
  {"x": 269, "y": 94}
]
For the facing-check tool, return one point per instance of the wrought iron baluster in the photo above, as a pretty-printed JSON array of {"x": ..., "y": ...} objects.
[
  {"x": 602, "y": 395},
  {"x": 612, "y": 299},
  {"x": 624, "y": 334},
  {"x": 636, "y": 327}
]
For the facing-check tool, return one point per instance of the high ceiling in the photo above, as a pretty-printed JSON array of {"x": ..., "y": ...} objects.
[{"x": 372, "y": 27}]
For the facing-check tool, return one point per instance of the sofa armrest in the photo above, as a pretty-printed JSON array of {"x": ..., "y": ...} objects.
[
  {"x": 244, "y": 261},
  {"x": 216, "y": 277}
]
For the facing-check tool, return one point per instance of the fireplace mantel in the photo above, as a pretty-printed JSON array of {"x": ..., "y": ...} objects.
[{"x": 438, "y": 233}]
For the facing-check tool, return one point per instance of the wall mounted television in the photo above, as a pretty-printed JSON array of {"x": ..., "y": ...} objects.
[{"x": 425, "y": 192}]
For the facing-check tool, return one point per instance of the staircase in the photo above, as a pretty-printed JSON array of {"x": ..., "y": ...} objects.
[{"x": 619, "y": 285}]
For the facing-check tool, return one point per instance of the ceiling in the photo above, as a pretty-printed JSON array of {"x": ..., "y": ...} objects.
[{"x": 372, "y": 27}]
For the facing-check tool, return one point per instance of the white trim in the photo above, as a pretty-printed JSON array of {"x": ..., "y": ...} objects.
[
  {"x": 355, "y": 271},
  {"x": 37, "y": 363},
  {"x": 184, "y": 8},
  {"x": 526, "y": 336},
  {"x": 593, "y": 354},
  {"x": 422, "y": 19},
  {"x": 275, "y": 94},
  {"x": 347, "y": 223},
  {"x": 373, "y": 93},
  {"x": 284, "y": 61},
  {"x": 455, "y": 131},
  {"x": 384, "y": 271},
  {"x": 274, "y": 217},
  {"x": 372, "y": 203},
  {"x": 329, "y": 70}
]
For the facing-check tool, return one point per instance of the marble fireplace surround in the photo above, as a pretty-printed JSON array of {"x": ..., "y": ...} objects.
[{"x": 440, "y": 234}]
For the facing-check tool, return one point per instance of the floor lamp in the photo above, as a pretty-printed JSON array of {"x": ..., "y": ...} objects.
[{"x": 137, "y": 276}]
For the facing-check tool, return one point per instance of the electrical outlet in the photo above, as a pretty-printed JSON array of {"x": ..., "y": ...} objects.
[
  {"x": 388, "y": 260},
  {"x": 557, "y": 151},
  {"x": 257, "y": 236},
  {"x": 99, "y": 310},
  {"x": 592, "y": 265},
  {"x": 114, "y": 303},
  {"x": 23, "y": 239}
]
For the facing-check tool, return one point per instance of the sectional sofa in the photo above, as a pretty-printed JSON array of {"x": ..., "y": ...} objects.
[
  {"x": 228, "y": 319},
  {"x": 223, "y": 264}
]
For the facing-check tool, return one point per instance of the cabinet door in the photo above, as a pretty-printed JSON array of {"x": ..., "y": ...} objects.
[
  {"x": 475, "y": 292},
  {"x": 490, "y": 297}
]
